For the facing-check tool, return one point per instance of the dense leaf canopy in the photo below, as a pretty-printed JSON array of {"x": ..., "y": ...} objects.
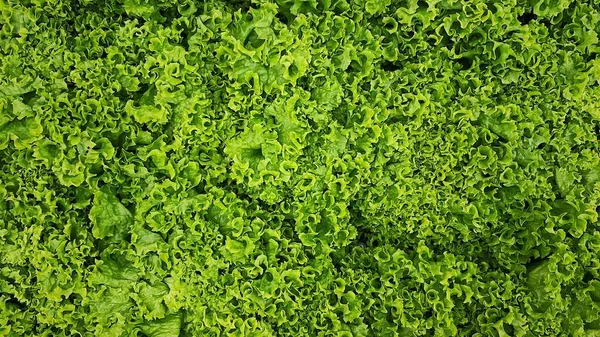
[{"x": 299, "y": 168}]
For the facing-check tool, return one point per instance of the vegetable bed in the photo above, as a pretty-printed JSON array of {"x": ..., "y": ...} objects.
[{"x": 299, "y": 168}]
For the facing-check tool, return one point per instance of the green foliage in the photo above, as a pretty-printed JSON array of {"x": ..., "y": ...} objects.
[{"x": 299, "y": 168}]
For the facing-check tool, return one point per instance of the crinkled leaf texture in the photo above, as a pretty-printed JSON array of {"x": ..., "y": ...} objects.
[
  {"x": 108, "y": 216},
  {"x": 299, "y": 168}
]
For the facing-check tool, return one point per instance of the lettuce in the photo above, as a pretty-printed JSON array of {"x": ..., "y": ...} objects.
[{"x": 299, "y": 168}]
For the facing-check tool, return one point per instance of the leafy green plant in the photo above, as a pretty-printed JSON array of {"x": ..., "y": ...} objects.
[{"x": 299, "y": 168}]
